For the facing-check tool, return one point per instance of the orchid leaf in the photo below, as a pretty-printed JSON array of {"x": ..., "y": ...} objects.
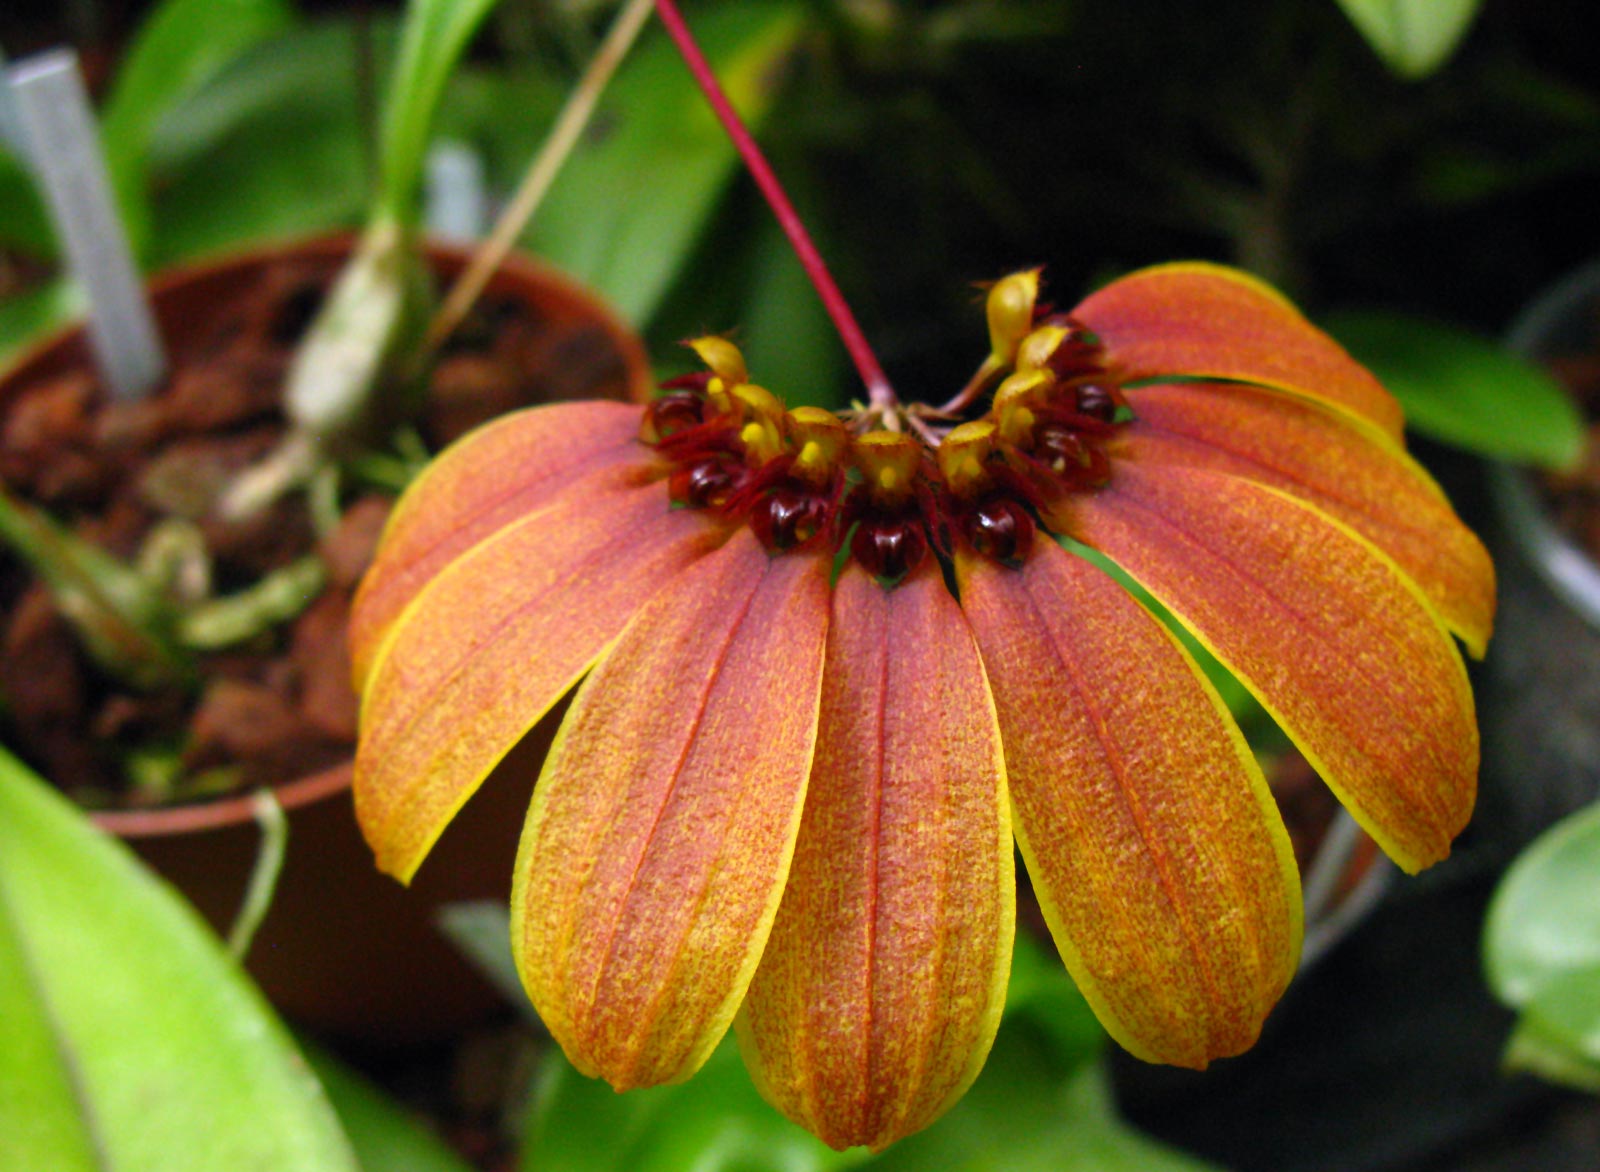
[
  {"x": 127, "y": 1039},
  {"x": 1043, "y": 993},
  {"x": 633, "y": 197},
  {"x": 786, "y": 332},
  {"x": 24, "y": 223},
  {"x": 1463, "y": 390},
  {"x": 179, "y": 48},
  {"x": 1041, "y": 1103},
  {"x": 1542, "y": 951},
  {"x": 432, "y": 39},
  {"x": 278, "y": 133},
  {"x": 715, "y": 1122},
  {"x": 1540, "y": 1049},
  {"x": 386, "y": 1137},
  {"x": 1545, "y": 918},
  {"x": 29, "y": 315},
  {"x": 1413, "y": 37}
]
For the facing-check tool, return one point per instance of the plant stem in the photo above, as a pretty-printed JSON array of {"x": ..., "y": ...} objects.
[
  {"x": 564, "y": 135},
  {"x": 880, "y": 394}
]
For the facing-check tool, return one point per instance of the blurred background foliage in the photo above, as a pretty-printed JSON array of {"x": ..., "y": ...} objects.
[{"x": 930, "y": 144}]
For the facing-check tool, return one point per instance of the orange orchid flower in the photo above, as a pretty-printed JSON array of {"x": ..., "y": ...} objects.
[{"x": 828, "y": 666}]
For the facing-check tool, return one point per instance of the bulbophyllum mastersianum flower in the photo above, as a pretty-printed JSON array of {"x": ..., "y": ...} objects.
[{"x": 828, "y": 667}]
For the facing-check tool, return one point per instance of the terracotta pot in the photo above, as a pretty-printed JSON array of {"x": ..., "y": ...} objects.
[{"x": 344, "y": 949}]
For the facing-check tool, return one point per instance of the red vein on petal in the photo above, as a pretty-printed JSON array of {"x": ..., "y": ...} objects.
[
  {"x": 1137, "y": 811},
  {"x": 1412, "y": 793},
  {"x": 608, "y": 954}
]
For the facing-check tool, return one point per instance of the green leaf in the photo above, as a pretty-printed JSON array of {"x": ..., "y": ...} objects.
[
  {"x": 271, "y": 148},
  {"x": 715, "y": 1122},
  {"x": 1567, "y": 1008},
  {"x": 27, "y": 316},
  {"x": 24, "y": 224},
  {"x": 631, "y": 201},
  {"x": 1544, "y": 921},
  {"x": 1463, "y": 390},
  {"x": 182, "y": 45},
  {"x": 127, "y": 1039},
  {"x": 1031, "y": 1112},
  {"x": 385, "y": 1137},
  {"x": 786, "y": 334},
  {"x": 1039, "y": 1104},
  {"x": 1414, "y": 37},
  {"x": 434, "y": 36},
  {"x": 1042, "y": 992},
  {"x": 1550, "y": 1054}
]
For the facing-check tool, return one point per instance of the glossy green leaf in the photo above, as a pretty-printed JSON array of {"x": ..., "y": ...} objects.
[
  {"x": 179, "y": 47},
  {"x": 433, "y": 38},
  {"x": 386, "y": 1138},
  {"x": 786, "y": 334},
  {"x": 24, "y": 225},
  {"x": 1463, "y": 390},
  {"x": 294, "y": 170},
  {"x": 1032, "y": 1111},
  {"x": 27, "y": 316},
  {"x": 309, "y": 70},
  {"x": 129, "y": 1030},
  {"x": 1414, "y": 37},
  {"x": 1567, "y": 1008},
  {"x": 715, "y": 1122},
  {"x": 632, "y": 199},
  {"x": 1544, "y": 921},
  {"x": 1042, "y": 993},
  {"x": 1550, "y": 1053},
  {"x": 1039, "y": 1104}
]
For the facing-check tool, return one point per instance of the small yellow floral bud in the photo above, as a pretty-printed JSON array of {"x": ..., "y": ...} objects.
[
  {"x": 963, "y": 454},
  {"x": 723, "y": 357},
  {"x": 1014, "y": 403},
  {"x": 819, "y": 440},
  {"x": 1010, "y": 310},
  {"x": 1038, "y": 347},
  {"x": 888, "y": 462},
  {"x": 762, "y": 433}
]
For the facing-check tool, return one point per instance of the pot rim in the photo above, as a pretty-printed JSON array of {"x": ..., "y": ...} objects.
[
  {"x": 517, "y": 264},
  {"x": 1564, "y": 566},
  {"x": 235, "y": 809}
]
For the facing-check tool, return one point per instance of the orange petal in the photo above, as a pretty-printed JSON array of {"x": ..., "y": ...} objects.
[
  {"x": 493, "y": 641},
  {"x": 1155, "y": 848},
  {"x": 1311, "y": 454},
  {"x": 662, "y": 826},
  {"x": 881, "y": 988},
  {"x": 1201, "y": 320},
  {"x": 483, "y": 482},
  {"x": 1333, "y": 639}
]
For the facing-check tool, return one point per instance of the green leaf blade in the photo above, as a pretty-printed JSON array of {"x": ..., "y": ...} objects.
[
  {"x": 385, "y": 1137},
  {"x": 39, "y": 1126},
  {"x": 435, "y": 34},
  {"x": 1413, "y": 37},
  {"x": 631, "y": 201},
  {"x": 1462, "y": 390},
  {"x": 1544, "y": 921},
  {"x": 173, "y": 1054}
]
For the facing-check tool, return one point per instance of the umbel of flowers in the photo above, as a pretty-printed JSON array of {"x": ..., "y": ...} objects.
[{"x": 829, "y": 666}]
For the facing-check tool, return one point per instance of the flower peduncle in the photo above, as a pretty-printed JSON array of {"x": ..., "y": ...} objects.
[{"x": 880, "y": 394}]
